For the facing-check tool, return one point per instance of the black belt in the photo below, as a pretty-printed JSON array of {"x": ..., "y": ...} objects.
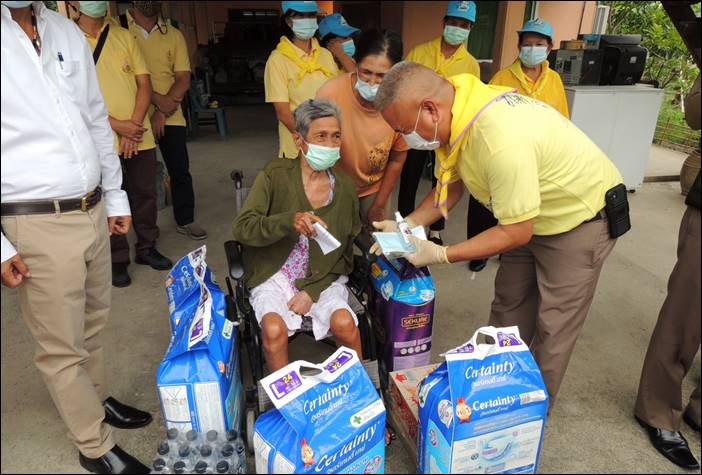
[
  {"x": 84, "y": 203},
  {"x": 599, "y": 216}
]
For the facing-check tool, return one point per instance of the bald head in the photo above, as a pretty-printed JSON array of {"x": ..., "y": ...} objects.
[{"x": 407, "y": 80}]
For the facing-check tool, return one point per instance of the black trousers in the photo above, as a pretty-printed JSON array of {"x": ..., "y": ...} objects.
[
  {"x": 175, "y": 155},
  {"x": 409, "y": 182},
  {"x": 479, "y": 218},
  {"x": 139, "y": 181}
]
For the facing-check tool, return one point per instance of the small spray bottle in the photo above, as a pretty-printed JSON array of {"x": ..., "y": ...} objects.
[{"x": 404, "y": 229}]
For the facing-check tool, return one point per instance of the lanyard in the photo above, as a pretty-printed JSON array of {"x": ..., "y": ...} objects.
[{"x": 36, "y": 41}]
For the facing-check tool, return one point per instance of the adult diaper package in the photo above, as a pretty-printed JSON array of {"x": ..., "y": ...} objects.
[
  {"x": 404, "y": 311},
  {"x": 327, "y": 418},
  {"x": 198, "y": 380},
  {"x": 183, "y": 285},
  {"x": 483, "y": 410}
]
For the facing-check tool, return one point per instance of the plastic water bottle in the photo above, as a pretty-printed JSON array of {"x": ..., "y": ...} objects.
[
  {"x": 193, "y": 438},
  {"x": 174, "y": 439},
  {"x": 206, "y": 454},
  {"x": 223, "y": 467},
  {"x": 228, "y": 454},
  {"x": 164, "y": 453},
  {"x": 231, "y": 436},
  {"x": 180, "y": 467},
  {"x": 187, "y": 455},
  {"x": 212, "y": 437},
  {"x": 241, "y": 453},
  {"x": 203, "y": 467},
  {"x": 160, "y": 466}
]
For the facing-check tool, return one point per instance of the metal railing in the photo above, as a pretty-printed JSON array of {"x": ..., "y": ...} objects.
[{"x": 676, "y": 137}]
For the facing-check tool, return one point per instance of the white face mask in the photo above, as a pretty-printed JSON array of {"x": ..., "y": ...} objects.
[
  {"x": 366, "y": 91},
  {"x": 417, "y": 142}
]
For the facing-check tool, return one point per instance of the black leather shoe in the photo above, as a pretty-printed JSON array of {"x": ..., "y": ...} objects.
[
  {"x": 114, "y": 461},
  {"x": 476, "y": 265},
  {"x": 124, "y": 417},
  {"x": 672, "y": 445},
  {"x": 120, "y": 276},
  {"x": 154, "y": 259},
  {"x": 691, "y": 422}
]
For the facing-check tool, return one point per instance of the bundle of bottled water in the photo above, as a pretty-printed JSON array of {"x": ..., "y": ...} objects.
[{"x": 195, "y": 452}]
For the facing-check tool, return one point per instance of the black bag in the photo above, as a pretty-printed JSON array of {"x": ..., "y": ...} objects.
[{"x": 100, "y": 43}]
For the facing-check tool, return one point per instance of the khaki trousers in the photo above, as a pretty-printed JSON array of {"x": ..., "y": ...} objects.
[
  {"x": 676, "y": 338},
  {"x": 65, "y": 304},
  {"x": 546, "y": 288}
]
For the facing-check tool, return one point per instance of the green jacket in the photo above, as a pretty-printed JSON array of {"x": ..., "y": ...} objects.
[{"x": 265, "y": 227}]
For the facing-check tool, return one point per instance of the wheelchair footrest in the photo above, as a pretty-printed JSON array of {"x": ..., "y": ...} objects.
[{"x": 265, "y": 403}]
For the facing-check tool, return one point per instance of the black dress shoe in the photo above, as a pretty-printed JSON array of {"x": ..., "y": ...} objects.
[
  {"x": 120, "y": 276},
  {"x": 124, "y": 417},
  {"x": 154, "y": 259},
  {"x": 114, "y": 461},
  {"x": 691, "y": 422},
  {"x": 476, "y": 265},
  {"x": 672, "y": 445}
]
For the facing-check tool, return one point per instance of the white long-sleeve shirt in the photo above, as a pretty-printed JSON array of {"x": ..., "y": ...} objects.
[{"x": 56, "y": 138}]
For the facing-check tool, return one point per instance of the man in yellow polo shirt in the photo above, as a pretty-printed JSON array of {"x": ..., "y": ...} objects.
[
  {"x": 543, "y": 179},
  {"x": 166, "y": 55},
  {"x": 447, "y": 56},
  {"x": 126, "y": 86}
]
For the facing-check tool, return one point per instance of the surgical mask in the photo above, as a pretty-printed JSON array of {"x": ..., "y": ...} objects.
[
  {"x": 17, "y": 4},
  {"x": 349, "y": 47},
  {"x": 320, "y": 157},
  {"x": 367, "y": 91},
  {"x": 304, "y": 28},
  {"x": 533, "y": 55},
  {"x": 455, "y": 35},
  {"x": 93, "y": 9},
  {"x": 149, "y": 9},
  {"x": 417, "y": 142}
]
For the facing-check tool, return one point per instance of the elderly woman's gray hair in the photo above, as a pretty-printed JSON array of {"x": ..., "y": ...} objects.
[{"x": 314, "y": 109}]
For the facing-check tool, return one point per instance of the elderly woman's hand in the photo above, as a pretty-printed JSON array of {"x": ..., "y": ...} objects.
[
  {"x": 301, "y": 303},
  {"x": 304, "y": 223}
]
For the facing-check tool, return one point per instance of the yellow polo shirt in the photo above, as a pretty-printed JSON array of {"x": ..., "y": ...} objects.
[
  {"x": 165, "y": 54},
  {"x": 429, "y": 54},
  {"x": 522, "y": 160},
  {"x": 119, "y": 64},
  {"x": 548, "y": 87},
  {"x": 282, "y": 85}
]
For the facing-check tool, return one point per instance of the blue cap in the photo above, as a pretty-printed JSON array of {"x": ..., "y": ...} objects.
[
  {"x": 302, "y": 7},
  {"x": 337, "y": 25},
  {"x": 537, "y": 25},
  {"x": 465, "y": 10}
]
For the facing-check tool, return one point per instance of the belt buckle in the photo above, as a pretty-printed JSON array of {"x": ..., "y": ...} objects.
[{"x": 84, "y": 201}]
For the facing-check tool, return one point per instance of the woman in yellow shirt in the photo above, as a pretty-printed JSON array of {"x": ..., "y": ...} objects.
[
  {"x": 296, "y": 69},
  {"x": 530, "y": 76}
]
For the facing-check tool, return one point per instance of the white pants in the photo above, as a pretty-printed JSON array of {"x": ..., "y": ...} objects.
[{"x": 273, "y": 296}]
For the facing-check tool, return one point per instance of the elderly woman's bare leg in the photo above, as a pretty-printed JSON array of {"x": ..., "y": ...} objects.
[
  {"x": 344, "y": 328},
  {"x": 275, "y": 341}
]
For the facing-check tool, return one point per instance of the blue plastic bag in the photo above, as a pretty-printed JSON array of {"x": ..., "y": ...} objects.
[
  {"x": 332, "y": 421},
  {"x": 198, "y": 380},
  {"x": 484, "y": 409}
]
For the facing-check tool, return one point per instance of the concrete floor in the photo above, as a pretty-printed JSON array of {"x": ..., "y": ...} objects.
[{"x": 591, "y": 430}]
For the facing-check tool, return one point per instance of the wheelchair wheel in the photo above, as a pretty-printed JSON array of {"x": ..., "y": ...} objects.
[{"x": 250, "y": 420}]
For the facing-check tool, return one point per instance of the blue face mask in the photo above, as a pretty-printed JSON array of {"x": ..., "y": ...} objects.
[
  {"x": 367, "y": 91},
  {"x": 17, "y": 4},
  {"x": 531, "y": 56},
  {"x": 349, "y": 48},
  {"x": 454, "y": 35},
  {"x": 320, "y": 157},
  {"x": 304, "y": 28},
  {"x": 93, "y": 9}
]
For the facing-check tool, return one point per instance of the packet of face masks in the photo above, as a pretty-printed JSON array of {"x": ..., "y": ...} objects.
[
  {"x": 327, "y": 418},
  {"x": 484, "y": 409},
  {"x": 394, "y": 245}
]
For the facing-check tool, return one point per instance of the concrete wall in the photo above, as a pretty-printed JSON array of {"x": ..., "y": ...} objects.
[
  {"x": 421, "y": 22},
  {"x": 568, "y": 18},
  {"x": 510, "y": 17}
]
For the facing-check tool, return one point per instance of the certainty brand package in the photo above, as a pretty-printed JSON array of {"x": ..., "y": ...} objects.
[
  {"x": 404, "y": 312},
  {"x": 183, "y": 285},
  {"x": 327, "y": 418},
  {"x": 198, "y": 380},
  {"x": 484, "y": 409}
]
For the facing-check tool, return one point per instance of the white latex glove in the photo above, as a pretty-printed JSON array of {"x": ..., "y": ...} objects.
[
  {"x": 427, "y": 253},
  {"x": 387, "y": 226}
]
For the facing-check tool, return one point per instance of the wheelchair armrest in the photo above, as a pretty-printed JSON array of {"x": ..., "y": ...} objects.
[
  {"x": 235, "y": 261},
  {"x": 363, "y": 242}
]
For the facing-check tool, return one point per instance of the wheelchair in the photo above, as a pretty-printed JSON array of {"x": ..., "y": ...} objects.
[{"x": 240, "y": 311}]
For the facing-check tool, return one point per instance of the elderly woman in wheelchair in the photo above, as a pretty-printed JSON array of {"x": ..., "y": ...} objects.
[{"x": 286, "y": 270}]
